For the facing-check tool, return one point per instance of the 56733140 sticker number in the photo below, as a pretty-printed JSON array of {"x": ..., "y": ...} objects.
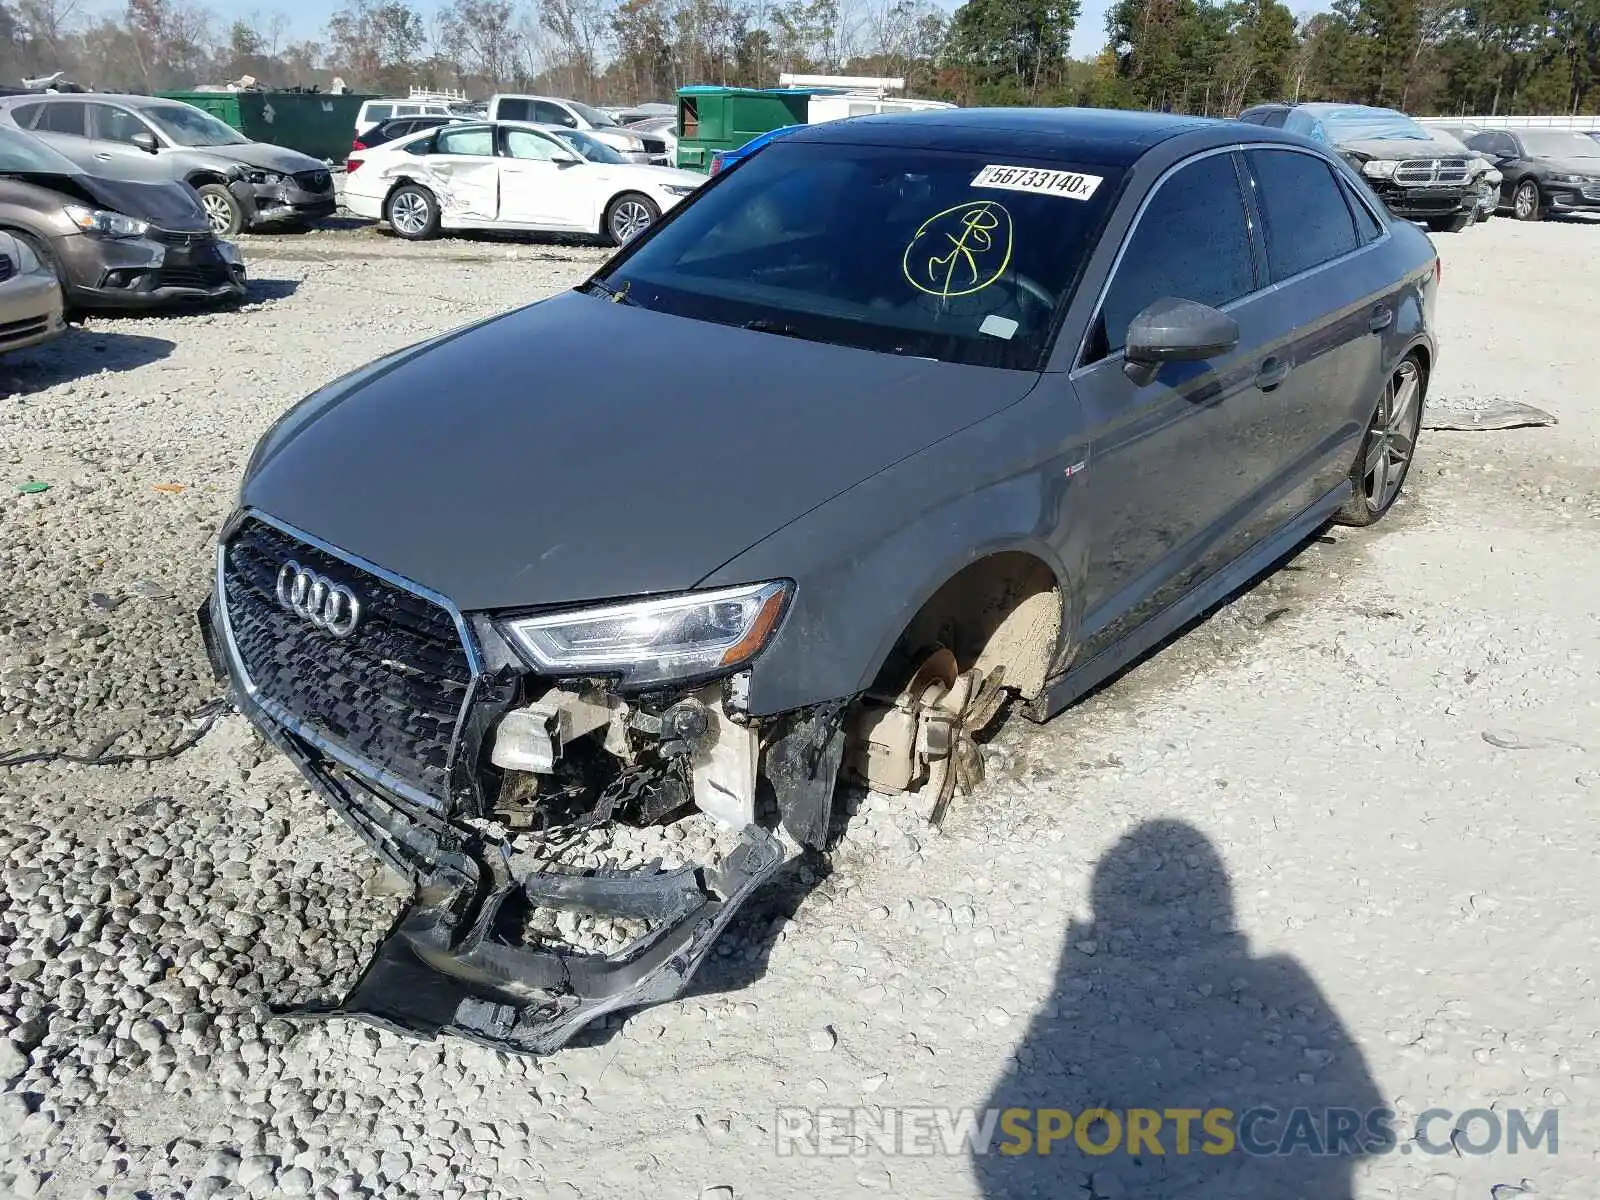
[{"x": 1073, "y": 185}]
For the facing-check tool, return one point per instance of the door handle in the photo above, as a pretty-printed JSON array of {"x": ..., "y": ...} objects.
[
  {"x": 1382, "y": 317},
  {"x": 1272, "y": 373}
]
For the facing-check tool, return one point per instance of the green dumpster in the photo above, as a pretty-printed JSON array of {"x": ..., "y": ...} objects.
[
  {"x": 315, "y": 123},
  {"x": 725, "y": 118}
]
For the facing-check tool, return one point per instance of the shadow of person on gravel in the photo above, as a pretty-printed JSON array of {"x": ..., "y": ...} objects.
[{"x": 1160, "y": 1006}]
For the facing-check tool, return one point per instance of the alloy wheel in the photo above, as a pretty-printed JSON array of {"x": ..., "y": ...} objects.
[
  {"x": 1392, "y": 438},
  {"x": 218, "y": 213},
  {"x": 409, "y": 213},
  {"x": 629, "y": 220},
  {"x": 1527, "y": 201}
]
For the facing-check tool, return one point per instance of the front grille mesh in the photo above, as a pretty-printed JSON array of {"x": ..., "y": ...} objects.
[
  {"x": 389, "y": 693},
  {"x": 193, "y": 277},
  {"x": 314, "y": 181},
  {"x": 1431, "y": 170}
]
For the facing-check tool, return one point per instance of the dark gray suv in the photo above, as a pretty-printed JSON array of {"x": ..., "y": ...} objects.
[{"x": 899, "y": 420}]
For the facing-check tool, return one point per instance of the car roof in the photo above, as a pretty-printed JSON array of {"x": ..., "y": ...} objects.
[
  {"x": 1111, "y": 137},
  {"x": 1325, "y": 107}
]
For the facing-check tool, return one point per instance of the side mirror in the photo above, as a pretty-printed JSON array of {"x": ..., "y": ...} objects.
[
  {"x": 146, "y": 141},
  {"x": 1173, "y": 330},
  {"x": 563, "y": 158}
]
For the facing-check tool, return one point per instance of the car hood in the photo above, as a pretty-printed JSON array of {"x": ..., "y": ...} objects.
[
  {"x": 265, "y": 156},
  {"x": 578, "y": 450},
  {"x": 1571, "y": 166},
  {"x": 169, "y": 205},
  {"x": 1395, "y": 149}
]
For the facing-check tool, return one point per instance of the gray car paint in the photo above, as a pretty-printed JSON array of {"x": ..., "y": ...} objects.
[
  {"x": 181, "y": 164},
  {"x": 521, "y": 490},
  {"x": 1400, "y": 149},
  {"x": 867, "y": 479}
]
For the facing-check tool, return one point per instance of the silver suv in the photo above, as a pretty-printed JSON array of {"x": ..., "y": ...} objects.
[{"x": 242, "y": 184}]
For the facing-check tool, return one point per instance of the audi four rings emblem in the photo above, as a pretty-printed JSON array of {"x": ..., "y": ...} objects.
[{"x": 328, "y": 605}]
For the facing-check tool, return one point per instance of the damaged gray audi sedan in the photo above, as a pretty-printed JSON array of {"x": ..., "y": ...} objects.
[{"x": 902, "y": 419}]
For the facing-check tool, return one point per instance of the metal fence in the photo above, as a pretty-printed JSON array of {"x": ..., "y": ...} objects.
[{"x": 1577, "y": 124}]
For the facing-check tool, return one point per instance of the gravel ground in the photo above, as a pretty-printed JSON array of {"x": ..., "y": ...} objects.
[{"x": 1378, "y": 766}]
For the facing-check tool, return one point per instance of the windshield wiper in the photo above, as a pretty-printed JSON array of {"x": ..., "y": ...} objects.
[{"x": 615, "y": 295}]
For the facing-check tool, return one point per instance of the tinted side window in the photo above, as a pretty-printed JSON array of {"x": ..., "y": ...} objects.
[
  {"x": 380, "y": 112},
  {"x": 24, "y": 114},
  {"x": 1276, "y": 118},
  {"x": 1306, "y": 219},
  {"x": 1366, "y": 224},
  {"x": 546, "y": 113},
  {"x": 66, "y": 117},
  {"x": 1192, "y": 242},
  {"x": 514, "y": 110}
]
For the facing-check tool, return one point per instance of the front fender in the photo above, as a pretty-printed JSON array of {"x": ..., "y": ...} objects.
[{"x": 866, "y": 562}]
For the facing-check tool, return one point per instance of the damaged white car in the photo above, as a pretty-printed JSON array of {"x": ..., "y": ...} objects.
[{"x": 506, "y": 175}]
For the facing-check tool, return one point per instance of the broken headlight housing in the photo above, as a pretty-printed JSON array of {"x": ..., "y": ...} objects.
[
  {"x": 1379, "y": 168},
  {"x": 106, "y": 224},
  {"x": 654, "y": 641}
]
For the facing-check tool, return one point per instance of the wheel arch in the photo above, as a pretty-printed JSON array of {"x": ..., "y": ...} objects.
[
  {"x": 1004, "y": 605},
  {"x": 202, "y": 176}
]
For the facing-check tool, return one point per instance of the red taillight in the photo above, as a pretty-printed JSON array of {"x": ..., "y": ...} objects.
[
  {"x": 358, "y": 144},
  {"x": 716, "y": 163},
  {"x": 351, "y": 163}
]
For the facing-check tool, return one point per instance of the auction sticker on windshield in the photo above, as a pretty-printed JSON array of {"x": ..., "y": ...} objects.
[{"x": 1072, "y": 184}]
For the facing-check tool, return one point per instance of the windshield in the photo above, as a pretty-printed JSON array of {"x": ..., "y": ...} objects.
[
  {"x": 1548, "y": 143},
  {"x": 920, "y": 252},
  {"x": 1356, "y": 124},
  {"x": 21, "y": 154},
  {"x": 591, "y": 148},
  {"x": 190, "y": 127},
  {"x": 592, "y": 115}
]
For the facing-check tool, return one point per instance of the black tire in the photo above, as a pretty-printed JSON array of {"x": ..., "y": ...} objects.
[
  {"x": 1526, "y": 202},
  {"x": 412, "y": 212},
  {"x": 1451, "y": 224},
  {"x": 624, "y": 215},
  {"x": 1374, "y": 495},
  {"x": 223, "y": 210}
]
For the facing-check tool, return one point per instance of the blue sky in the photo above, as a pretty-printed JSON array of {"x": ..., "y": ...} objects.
[{"x": 307, "y": 17}]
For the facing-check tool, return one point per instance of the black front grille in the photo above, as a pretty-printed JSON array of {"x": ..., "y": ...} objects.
[
  {"x": 389, "y": 693},
  {"x": 15, "y": 331},
  {"x": 208, "y": 275},
  {"x": 654, "y": 145},
  {"x": 174, "y": 237},
  {"x": 314, "y": 181}
]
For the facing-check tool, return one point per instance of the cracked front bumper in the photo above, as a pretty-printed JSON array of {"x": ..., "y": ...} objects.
[{"x": 458, "y": 961}]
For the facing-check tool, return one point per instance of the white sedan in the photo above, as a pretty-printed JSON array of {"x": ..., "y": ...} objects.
[{"x": 506, "y": 175}]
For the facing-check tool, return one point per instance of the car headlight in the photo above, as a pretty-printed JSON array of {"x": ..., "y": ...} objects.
[
  {"x": 678, "y": 189},
  {"x": 261, "y": 177},
  {"x": 654, "y": 641},
  {"x": 1379, "y": 168},
  {"x": 107, "y": 224},
  {"x": 633, "y": 143}
]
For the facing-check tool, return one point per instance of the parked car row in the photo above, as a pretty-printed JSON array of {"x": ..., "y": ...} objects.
[
  {"x": 1544, "y": 171},
  {"x": 242, "y": 184}
]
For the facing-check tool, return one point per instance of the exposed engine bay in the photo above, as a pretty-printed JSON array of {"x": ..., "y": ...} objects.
[{"x": 499, "y": 943}]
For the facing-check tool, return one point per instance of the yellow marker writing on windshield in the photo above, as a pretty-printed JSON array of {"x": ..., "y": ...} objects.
[{"x": 959, "y": 251}]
